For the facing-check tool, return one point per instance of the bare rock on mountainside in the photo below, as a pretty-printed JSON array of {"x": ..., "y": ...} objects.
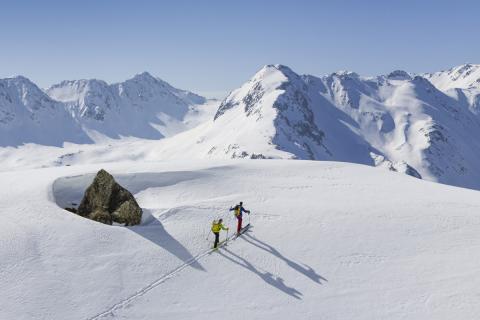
[{"x": 106, "y": 201}]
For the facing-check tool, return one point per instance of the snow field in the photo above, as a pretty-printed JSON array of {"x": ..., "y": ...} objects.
[{"x": 329, "y": 241}]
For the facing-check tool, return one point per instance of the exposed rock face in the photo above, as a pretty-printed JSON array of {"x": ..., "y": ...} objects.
[
  {"x": 418, "y": 125},
  {"x": 106, "y": 201}
]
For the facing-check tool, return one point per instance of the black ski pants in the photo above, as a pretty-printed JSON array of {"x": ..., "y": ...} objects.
[{"x": 217, "y": 239}]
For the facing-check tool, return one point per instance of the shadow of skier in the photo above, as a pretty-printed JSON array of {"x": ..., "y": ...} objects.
[
  {"x": 303, "y": 269},
  {"x": 268, "y": 277},
  {"x": 156, "y": 233}
]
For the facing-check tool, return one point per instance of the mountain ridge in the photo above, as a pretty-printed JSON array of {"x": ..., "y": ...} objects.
[
  {"x": 399, "y": 121},
  {"x": 89, "y": 110}
]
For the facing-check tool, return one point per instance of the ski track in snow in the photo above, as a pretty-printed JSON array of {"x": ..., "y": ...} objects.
[
  {"x": 391, "y": 247},
  {"x": 125, "y": 302}
]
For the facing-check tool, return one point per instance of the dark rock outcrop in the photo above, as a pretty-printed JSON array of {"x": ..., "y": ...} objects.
[
  {"x": 106, "y": 201},
  {"x": 74, "y": 210}
]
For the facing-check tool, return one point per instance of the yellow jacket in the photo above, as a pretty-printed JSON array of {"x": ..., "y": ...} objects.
[{"x": 217, "y": 226}]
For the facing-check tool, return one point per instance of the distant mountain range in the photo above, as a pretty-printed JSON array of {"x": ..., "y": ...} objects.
[
  {"x": 424, "y": 125},
  {"x": 80, "y": 111}
]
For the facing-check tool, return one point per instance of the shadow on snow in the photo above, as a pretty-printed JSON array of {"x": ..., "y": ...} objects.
[
  {"x": 268, "y": 277},
  {"x": 303, "y": 269},
  {"x": 156, "y": 233}
]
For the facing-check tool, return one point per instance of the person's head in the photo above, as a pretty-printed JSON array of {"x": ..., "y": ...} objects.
[
  {"x": 220, "y": 220},
  {"x": 241, "y": 203}
]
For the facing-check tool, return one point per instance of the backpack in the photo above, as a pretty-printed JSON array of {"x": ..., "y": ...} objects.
[
  {"x": 215, "y": 226},
  {"x": 237, "y": 210}
]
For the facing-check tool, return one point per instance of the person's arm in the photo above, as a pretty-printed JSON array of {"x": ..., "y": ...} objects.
[
  {"x": 224, "y": 228},
  {"x": 246, "y": 211}
]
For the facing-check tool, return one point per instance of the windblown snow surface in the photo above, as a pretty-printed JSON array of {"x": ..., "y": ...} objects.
[{"x": 329, "y": 240}]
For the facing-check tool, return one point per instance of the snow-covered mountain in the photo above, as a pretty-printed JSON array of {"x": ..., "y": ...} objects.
[
  {"x": 422, "y": 125},
  {"x": 462, "y": 83},
  {"x": 273, "y": 112},
  {"x": 28, "y": 115},
  {"x": 465, "y": 76},
  {"x": 328, "y": 240},
  {"x": 399, "y": 121},
  {"x": 86, "y": 111},
  {"x": 143, "y": 107}
]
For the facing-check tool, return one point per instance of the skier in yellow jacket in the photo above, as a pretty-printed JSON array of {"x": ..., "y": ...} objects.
[{"x": 217, "y": 226}]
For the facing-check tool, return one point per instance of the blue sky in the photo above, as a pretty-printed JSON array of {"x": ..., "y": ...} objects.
[{"x": 214, "y": 46}]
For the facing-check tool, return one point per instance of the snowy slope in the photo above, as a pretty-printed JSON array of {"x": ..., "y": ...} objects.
[
  {"x": 398, "y": 121},
  {"x": 143, "y": 107},
  {"x": 410, "y": 121},
  {"x": 276, "y": 107},
  {"x": 329, "y": 241},
  {"x": 27, "y": 114},
  {"x": 462, "y": 83},
  {"x": 464, "y": 77},
  {"x": 419, "y": 125},
  {"x": 88, "y": 111}
]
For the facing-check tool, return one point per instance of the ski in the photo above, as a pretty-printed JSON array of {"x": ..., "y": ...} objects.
[
  {"x": 221, "y": 244},
  {"x": 242, "y": 231},
  {"x": 233, "y": 237},
  {"x": 245, "y": 228}
]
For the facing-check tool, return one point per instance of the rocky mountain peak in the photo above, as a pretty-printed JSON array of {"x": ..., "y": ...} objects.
[{"x": 399, "y": 75}]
